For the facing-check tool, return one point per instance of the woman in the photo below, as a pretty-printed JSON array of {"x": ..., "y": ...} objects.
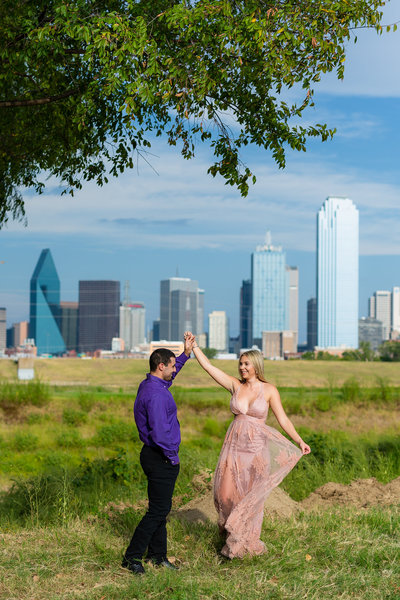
[{"x": 254, "y": 457}]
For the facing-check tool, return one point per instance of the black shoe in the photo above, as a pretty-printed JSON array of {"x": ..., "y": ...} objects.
[
  {"x": 133, "y": 565},
  {"x": 164, "y": 562}
]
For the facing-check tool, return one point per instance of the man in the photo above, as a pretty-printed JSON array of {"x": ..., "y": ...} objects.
[{"x": 156, "y": 419}]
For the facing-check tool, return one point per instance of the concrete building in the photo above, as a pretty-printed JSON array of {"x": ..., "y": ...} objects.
[
  {"x": 245, "y": 322},
  {"x": 45, "y": 314},
  {"x": 275, "y": 344},
  {"x": 312, "y": 326},
  {"x": 69, "y": 324},
  {"x": 218, "y": 330},
  {"x": 370, "y": 330},
  {"x": 396, "y": 312},
  {"x": 98, "y": 314},
  {"x": 380, "y": 308},
  {"x": 181, "y": 307},
  {"x": 117, "y": 345},
  {"x": 270, "y": 290},
  {"x": 293, "y": 282},
  {"x": 337, "y": 274},
  {"x": 132, "y": 324},
  {"x": 3, "y": 329},
  {"x": 20, "y": 333},
  {"x": 176, "y": 347},
  {"x": 200, "y": 311}
]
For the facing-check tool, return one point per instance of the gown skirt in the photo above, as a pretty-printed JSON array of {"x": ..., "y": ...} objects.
[{"x": 254, "y": 460}]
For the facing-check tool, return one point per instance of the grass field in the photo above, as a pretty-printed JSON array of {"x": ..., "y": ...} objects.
[
  {"x": 73, "y": 488},
  {"x": 128, "y": 373}
]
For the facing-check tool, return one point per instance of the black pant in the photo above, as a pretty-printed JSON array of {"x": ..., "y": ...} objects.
[{"x": 151, "y": 533}]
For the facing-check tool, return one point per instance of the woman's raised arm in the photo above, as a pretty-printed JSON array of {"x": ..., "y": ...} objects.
[{"x": 227, "y": 381}]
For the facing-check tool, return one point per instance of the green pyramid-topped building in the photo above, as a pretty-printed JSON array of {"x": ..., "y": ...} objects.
[{"x": 45, "y": 314}]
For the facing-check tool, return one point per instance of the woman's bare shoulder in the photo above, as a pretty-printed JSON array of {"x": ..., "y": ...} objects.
[
  {"x": 268, "y": 389},
  {"x": 236, "y": 383}
]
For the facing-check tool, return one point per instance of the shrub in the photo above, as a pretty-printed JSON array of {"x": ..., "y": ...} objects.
[
  {"x": 324, "y": 402},
  {"x": 40, "y": 499},
  {"x": 15, "y": 395},
  {"x": 70, "y": 439},
  {"x": 294, "y": 406},
  {"x": 74, "y": 417},
  {"x": 116, "y": 432},
  {"x": 351, "y": 390},
  {"x": 86, "y": 401},
  {"x": 118, "y": 468},
  {"x": 35, "y": 418},
  {"x": 25, "y": 441}
]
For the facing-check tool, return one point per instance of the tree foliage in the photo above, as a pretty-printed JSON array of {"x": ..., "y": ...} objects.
[
  {"x": 210, "y": 352},
  {"x": 390, "y": 351},
  {"x": 85, "y": 85}
]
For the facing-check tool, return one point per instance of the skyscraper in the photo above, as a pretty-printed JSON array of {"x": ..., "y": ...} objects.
[
  {"x": 380, "y": 307},
  {"x": 293, "y": 282},
  {"x": 181, "y": 307},
  {"x": 218, "y": 330},
  {"x": 396, "y": 311},
  {"x": 20, "y": 333},
  {"x": 98, "y": 314},
  {"x": 44, "y": 326},
  {"x": 337, "y": 274},
  {"x": 370, "y": 330},
  {"x": 3, "y": 329},
  {"x": 69, "y": 324},
  {"x": 312, "y": 328},
  {"x": 385, "y": 306},
  {"x": 200, "y": 312},
  {"x": 270, "y": 298},
  {"x": 132, "y": 324},
  {"x": 245, "y": 335}
]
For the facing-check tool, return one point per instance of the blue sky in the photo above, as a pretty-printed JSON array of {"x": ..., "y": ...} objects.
[{"x": 145, "y": 227}]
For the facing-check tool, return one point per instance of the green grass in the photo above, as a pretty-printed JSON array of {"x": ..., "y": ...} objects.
[
  {"x": 345, "y": 554},
  {"x": 92, "y": 423},
  {"x": 127, "y": 374},
  {"x": 73, "y": 491}
]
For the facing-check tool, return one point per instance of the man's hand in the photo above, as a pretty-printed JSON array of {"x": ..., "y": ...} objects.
[{"x": 189, "y": 340}]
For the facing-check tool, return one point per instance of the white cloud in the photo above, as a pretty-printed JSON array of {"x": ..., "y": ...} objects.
[{"x": 184, "y": 208}]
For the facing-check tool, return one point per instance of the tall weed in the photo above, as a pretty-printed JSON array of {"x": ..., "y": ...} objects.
[{"x": 15, "y": 395}]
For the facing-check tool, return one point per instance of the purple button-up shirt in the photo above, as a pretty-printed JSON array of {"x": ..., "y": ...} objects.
[{"x": 156, "y": 414}]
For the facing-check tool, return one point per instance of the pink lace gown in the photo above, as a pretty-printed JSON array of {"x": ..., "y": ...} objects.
[{"x": 254, "y": 459}]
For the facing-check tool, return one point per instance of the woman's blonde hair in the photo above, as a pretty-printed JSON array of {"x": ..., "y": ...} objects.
[{"x": 257, "y": 360}]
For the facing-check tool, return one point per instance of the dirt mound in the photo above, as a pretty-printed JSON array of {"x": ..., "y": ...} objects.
[
  {"x": 201, "y": 510},
  {"x": 360, "y": 493}
]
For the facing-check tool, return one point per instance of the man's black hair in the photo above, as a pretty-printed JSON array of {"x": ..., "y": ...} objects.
[{"x": 161, "y": 355}]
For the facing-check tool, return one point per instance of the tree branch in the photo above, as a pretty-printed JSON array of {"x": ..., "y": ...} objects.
[{"x": 38, "y": 101}]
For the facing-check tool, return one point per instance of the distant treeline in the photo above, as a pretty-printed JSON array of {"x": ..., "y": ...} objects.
[{"x": 388, "y": 352}]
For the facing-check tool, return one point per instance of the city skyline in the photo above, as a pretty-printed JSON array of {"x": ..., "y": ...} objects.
[
  {"x": 145, "y": 224},
  {"x": 336, "y": 220}
]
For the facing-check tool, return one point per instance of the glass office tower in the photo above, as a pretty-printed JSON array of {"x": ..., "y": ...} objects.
[
  {"x": 337, "y": 274},
  {"x": 270, "y": 279},
  {"x": 98, "y": 314},
  {"x": 181, "y": 307},
  {"x": 245, "y": 336},
  {"x": 45, "y": 316}
]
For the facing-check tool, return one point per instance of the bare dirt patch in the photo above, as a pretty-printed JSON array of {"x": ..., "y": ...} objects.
[{"x": 361, "y": 493}]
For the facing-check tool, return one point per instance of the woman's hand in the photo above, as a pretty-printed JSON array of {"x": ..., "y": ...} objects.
[{"x": 305, "y": 448}]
